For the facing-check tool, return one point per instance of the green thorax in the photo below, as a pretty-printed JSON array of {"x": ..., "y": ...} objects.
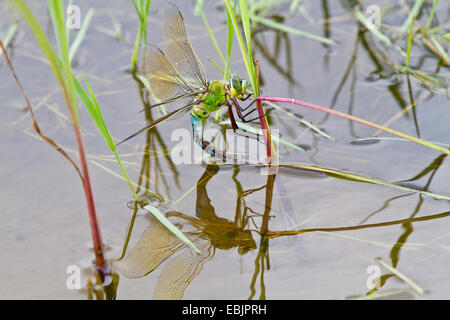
[{"x": 211, "y": 101}]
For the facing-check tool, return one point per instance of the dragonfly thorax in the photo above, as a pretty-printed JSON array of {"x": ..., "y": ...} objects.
[{"x": 214, "y": 98}]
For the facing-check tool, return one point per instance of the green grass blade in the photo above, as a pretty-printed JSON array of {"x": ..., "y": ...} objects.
[
  {"x": 243, "y": 9},
  {"x": 360, "y": 178},
  {"x": 294, "y": 31},
  {"x": 229, "y": 45},
  {"x": 60, "y": 28},
  {"x": 430, "y": 18},
  {"x": 371, "y": 27},
  {"x": 241, "y": 44},
  {"x": 81, "y": 33},
  {"x": 408, "y": 51},
  {"x": 211, "y": 34},
  {"x": 158, "y": 215},
  {"x": 382, "y": 295},
  {"x": 441, "y": 50},
  {"x": 401, "y": 276},
  {"x": 9, "y": 35},
  {"x": 198, "y": 6},
  {"x": 412, "y": 15},
  {"x": 43, "y": 42}
]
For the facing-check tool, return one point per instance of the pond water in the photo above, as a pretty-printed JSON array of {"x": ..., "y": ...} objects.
[{"x": 238, "y": 216}]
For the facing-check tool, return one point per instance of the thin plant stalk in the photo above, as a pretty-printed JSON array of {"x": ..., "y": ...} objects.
[
  {"x": 356, "y": 119},
  {"x": 63, "y": 74},
  {"x": 249, "y": 63}
]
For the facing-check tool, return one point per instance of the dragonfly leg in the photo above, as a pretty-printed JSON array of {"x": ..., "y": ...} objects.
[
  {"x": 232, "y": 120},
  {"x": 249, "y": 95},
  {"x": 256, "y": 118},
  {"x": 247, "y": 107},
  {"x": 198, "y": 136},
  {"x": 243, "y": 117},
  {"x": 248, "y": 134}
]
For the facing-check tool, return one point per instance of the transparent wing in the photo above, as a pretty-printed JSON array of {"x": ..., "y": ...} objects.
[
  {"x": 155, "y": 245},
  {"x": 164, "y": 82},
  {"x": 177, "y": 46},
  {"x": 172, "y": 115},
  {"x": 180, "y": 272}
]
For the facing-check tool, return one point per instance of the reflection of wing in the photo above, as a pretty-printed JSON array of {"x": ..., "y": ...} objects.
[
  {"x": 155, "y": 245},
  {"x": 180, "y": 271},
  {"x": 165, "y": 82},
  {"x": 178, "y": 47}
]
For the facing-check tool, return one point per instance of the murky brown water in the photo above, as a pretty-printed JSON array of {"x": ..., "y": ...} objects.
[{"x": 45, "y": 225}]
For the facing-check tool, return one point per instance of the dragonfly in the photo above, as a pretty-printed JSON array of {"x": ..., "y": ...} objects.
[{"x": 176, "y": 79}]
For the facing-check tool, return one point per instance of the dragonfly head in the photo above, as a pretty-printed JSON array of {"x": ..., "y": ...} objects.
[{"x": 238, "y": 87}]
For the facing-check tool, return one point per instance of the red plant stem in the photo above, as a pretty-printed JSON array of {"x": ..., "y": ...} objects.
[
  {"x": 95, "y": 228},
  {"x": 264, "y": 129},
  {"x": 262, "y": 118}
]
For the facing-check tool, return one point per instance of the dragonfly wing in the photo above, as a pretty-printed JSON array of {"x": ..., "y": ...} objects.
[
  {"x": 171, "y": 115},
  {"x": 164, "y": 81},
  {"x": 181, "y": 270},
  {"x": 155, "y": 245},
  {"x": 178, "y": 47}
]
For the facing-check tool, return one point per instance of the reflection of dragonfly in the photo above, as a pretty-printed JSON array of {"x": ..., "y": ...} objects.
[
  {"x": 207, "y": 230},
  {"x": 176, "y": 79}
]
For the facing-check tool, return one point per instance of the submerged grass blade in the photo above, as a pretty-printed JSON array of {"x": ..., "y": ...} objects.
[
  {"x": 382, "y": 295},
  {"x": 158, "y": 215},
  {"x": 372, "y": 28},
  {"x": 412, "y": 15},
  {"x": 360, "y": 178},
  {"x": 401, "y": 276}
]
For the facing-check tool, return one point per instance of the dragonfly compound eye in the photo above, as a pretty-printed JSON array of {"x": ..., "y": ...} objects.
[
  {"x": 244, "y": 86},
  {"x": 236, "y": 87}
]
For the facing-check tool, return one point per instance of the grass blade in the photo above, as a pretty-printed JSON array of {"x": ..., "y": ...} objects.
[
  {"x": 158, "y": 215},
  {"x": 408, "y": 51},
  {"x": 294, "y": 31},
  {"x": 360, "y": 178},
  {"x": 412, "y": 15},
  {"x": 357, "y": 119},
  {"x": 401, "y": 276},
  {"x": 81, "y": 33},
  {"x": 372, "y": 28}
]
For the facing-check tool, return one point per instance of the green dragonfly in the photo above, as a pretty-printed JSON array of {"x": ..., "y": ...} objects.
[{"x": 176, "y": 79}]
